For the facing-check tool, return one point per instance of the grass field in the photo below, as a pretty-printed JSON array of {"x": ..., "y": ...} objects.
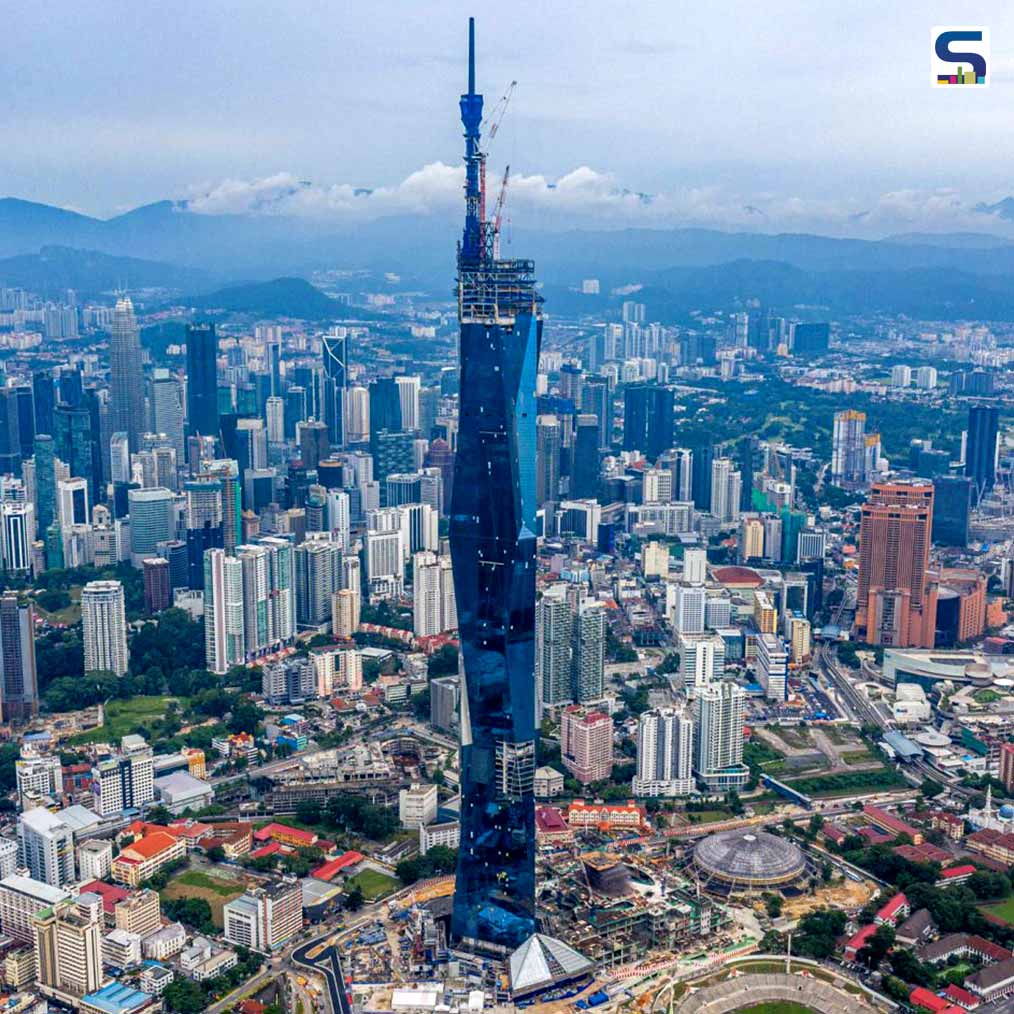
[
  {"x": 122, "y": 718},
  {"x": 708, "y": 816},
  {"x": 856, "y": 756},
  {"x": 374, "y": 884},
  {"x": 849, "y": 783},
  {"x": 778, "y": 1007},
  {"x": 69, "y": 614},
  {"x": 216, "y": 891},
  {"x": 1003, "y": 910}
]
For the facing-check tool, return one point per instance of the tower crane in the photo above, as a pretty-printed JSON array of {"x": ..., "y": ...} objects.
[{"x": 494, "y": 119}]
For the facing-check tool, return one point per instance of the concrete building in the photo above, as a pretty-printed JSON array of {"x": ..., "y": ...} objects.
[
  {"x": 772, "y": 666},
  {"x": 718, "y": 736},
  {"x": 46, "y": 847},
  {"x": 417, "y": 805},
  {"x": 586, "y": 744},
  {"x": 21, "y": 898},
  {"x": 104, "y": 624},
  {"x": 664, "y": 753},
  {"x": 68, "y": 948},
  {"x": 94, "y": 859},
  {"x": 265, "y": 918}
]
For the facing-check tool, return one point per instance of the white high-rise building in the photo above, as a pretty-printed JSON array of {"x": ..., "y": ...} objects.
[
  {"x": 46, "y": 847},
  {"x": 274, "y": 413},
  {"x": 926, "y": 377},
  {"x": 702, "y": 660},
  {"x": 718, "y": 736},
  {"x": 37, "y": 775},
  {"x": 657, "y": 486},
  {"x": 126, "y": 780},
  {"x": 104, "y": 623},
  {"x": 72, "y": 502},
  {"x": 427, "y": 620},
  {"x": 68, "y": 949},
  {"x": 772, "y": 666},
  {"x": 553, "y": 632},
  {"x": 848, "y": 448},
  {"x": 269, "y": 601},
  {"x": 695, "y": 566},
  {"x": 655, "y": 559},
  {"x": 338, "y": 517},
  {"x": 385, "y": 561},
  {"x": 224, "y": 641},
  {"x": 167, "y": 409},
  {"x": 726, "y": 485},
  {"x": 448, "y": 604},
  {"x": 358, "y": 414},
  {"x": 688, "y": 609},
  {"x": 901, "y": 375},
  {"x": 664, "y": 753},
  {"x": 408, "y": 393}
]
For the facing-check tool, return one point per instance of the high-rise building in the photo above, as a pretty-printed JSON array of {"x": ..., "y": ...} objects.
[
  {"x": 202, "y": 380},
  {"x": 152, "y": 520},
  {"x": 596, "y": 400},
  {"x": 726, "y": 487},
  {"x": 126, "y": 373},
  {"x": 335, "y": 349},
  {"x": 68, "y": 949},
  {"x": 19, "y": 688},
  {"x": 46, "y": 847},
  {"x": 584, "y": 473},
  {"x": 896, "y": 599},
  {"x": 104, "y": 623},
  {"x": 408, "y": 395},
  {"x": 75, "y": 444},
  {"x": 44, "y": 401},
  {"x": 586, "y": 744},
  {"x": 665, "y": 743},
  {"x": 549, "y": 438},
  {"x": 901, "y": 375},
  {"x": 952, "y": 504},
  {"x": 648, "y": 419},
  {"x": 167, "y": 410},
  {"x": 318, "y": 563},
  {"x": 125, "y": 780},
  {"x": 492, "y": 538},
  {"x": 981, "y": 448},
  {"x": 718, "y": 736},
  {"x": 772, "y": 666},
  {"x": 588, "y": 652},
  {"x": 345, "y": 607},
  {"x": 21, "y": 899},
  {"x": 264, "y": 918},
  {"x": 553, "y": 635},
  {"x": 687, "y": 615},
  {"x": 17, "y": 533},
  {"x": 157, "y": 584},
  {"x": 848, "y": 448},
  {"x": 695, "y": 566}
]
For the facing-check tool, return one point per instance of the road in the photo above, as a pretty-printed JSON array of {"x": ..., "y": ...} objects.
[{"x": 862, "y": 708}]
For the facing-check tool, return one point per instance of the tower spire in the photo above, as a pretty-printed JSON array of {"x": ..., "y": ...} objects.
[{"x": 471, "y": 120}]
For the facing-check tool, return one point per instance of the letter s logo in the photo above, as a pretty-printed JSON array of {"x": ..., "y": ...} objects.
[{"x": 947, "y": 55}]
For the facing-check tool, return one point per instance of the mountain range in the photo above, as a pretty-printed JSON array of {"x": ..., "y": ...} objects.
[{"x": 168, "y": 245}]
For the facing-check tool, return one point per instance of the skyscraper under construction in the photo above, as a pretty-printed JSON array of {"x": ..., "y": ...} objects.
[{"x": 492, "y": 533}]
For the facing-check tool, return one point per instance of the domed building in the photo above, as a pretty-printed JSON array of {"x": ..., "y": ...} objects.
[{"x": 744, "y": 861}]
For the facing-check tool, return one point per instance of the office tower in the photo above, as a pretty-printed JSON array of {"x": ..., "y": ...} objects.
[
  {"x": 392, "y": 453},
  {"x": 345, "y": 607},
  {"x": 901, "y": 376},
  {"x": 124, "y": 781},
  {"x": 264, "y": 918},
  {"x": 718, "y": 736},
  {"x": 434, "y": 608},
  {"x": 586, "y": 744},
  {"x": 17, "y": 533},
  {"x": 695, "y": 566},
  {"x": 43, "y": 401},
  {"x": 656, "y": 485},
  {"x": 726, "y": 486},
  {"x": 588, "y": 652},
  {"x": 553, "y": 635},
  {"x": 74, "y": 444},
  {"x": 793, "y": 524},
  {"x": 385, "y": 407},
  {"x": 810, "y": 339},
  {"x": 493, "y": 547},
  {"x": 848, "y": 448},
  {"x": 202, "y": 380},
  {"x": 952, "y": 504},
  {"x": 655, "y": 560},
  {"x": 167, "y": 410},
  {"x": 157, "y": 586},
  {"x": 45, "y": 481},
  {"x": 547, "y": 459},
  {"x": 126, "y": 374},
  {"x": 224, "y": 642},
  {"x": 981, "y": 449},
  {"x": 896, "y": 600},
  {"x": 152, "y": 520},
  {"x": 68, "y": 949},
  {"x": 19, "y": 690},
  {"x": 751, "y": 539},
  {"x": 24, "y": 410},
  {"x": 444, "y": 702},
  {"x": 358, "y": 415},
  {"x": 226, "y": 472},
  {"x": 596, "y": 400},
  {"x": 688, "y": 609},
  {"x": 701, "y": 462},
  {"x": 104, "y": 623},
  {"x": 665, "y": 743},
  {"x": 648, "y": 419},
  {"x": 274, "y": 417},
  {"x": 335, "y": 350},
  {"x": 408, "y": 397},
  {"x": 584, "y": 472},
  {"x": 772, "y": 666},
  {"x": 269, "y": 608},
  {"x": 46, "y": 847},
  {"x": 10, "y": 436}
]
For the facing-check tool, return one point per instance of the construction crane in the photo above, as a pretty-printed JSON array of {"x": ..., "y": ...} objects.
[
  {"x": 495, "y": 118},
  {"x": 498, "y": 212}
]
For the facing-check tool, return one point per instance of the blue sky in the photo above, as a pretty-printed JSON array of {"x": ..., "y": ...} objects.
[{"x": 775, "y": 115}]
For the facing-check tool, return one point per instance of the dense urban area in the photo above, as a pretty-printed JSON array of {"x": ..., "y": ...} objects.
[{"x": 367, "y": 649}]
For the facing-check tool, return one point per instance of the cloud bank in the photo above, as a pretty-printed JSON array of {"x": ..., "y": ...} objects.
[{"x": 588, "y": 198}]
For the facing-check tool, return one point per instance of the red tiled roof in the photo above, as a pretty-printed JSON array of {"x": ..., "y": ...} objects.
[
  {"x": 109, "y": 894},
  {"x": 266, "y": 850},
  {"x": 958, "y": 871},
  {"x": 961, "y": 996},
  {"x": 738, "y": 575},
  {"x": 891, "y": 909},
  {"x": 549, "y": 818},
  {"x": 329, "y": 869},
  {"x": 856, "y": 942},
  {"x": 270, "y": 830},
  {"x": 922, "y": 997}
]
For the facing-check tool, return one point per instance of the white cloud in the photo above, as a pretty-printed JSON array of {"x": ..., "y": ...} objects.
[{"x": 587, "y": 198}]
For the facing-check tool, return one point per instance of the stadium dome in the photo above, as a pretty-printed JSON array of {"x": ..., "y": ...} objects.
[{"x": 742, "y": 860}]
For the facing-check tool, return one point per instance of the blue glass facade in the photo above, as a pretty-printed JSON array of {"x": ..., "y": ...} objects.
[{"x": 492, "y": 528}]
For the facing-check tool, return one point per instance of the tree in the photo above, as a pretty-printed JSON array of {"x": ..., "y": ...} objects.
[
  {"x": 443, "y": 662},
  {"x": 157, "y": 814},
  {"x": 184, "y": 997},
  {"x": 818, "y": 932},
  {"x": 245, "y": 717},
  {"x": 877, "y": 946},
  {"x": 216, "y": 854},
  {"x": 353, "y": 899}
]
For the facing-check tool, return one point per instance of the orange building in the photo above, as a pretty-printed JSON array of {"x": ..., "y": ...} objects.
[
  {"x": 896, "y": 603},
  {"x": 968, "y": 586}
]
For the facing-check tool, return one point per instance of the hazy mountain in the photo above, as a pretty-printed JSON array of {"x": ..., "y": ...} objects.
[
  {"x": 56, "y": 268},
  {"x": 1004, "y": 208},
  {"x": 280, "y": 297}
]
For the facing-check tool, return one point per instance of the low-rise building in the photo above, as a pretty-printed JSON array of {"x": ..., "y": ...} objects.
[
  {"x": 121, "y": 949},
  {"x": 417, "y": 805},
  {"x": 447, "y": 834},
  {"x": 154, "y": 979},
  {"x": 164, "y": 942},
  {"x": 548, "y": 783},
  {"x": 142, "y": 859}
]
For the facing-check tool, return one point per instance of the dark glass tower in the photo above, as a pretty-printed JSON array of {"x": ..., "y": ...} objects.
[
  {"x": 202, "y": 380},
  {"x": 492, "y": 529},
  {"x": 336, "y": 356},
  {"x": 648, "y": 419},
  {"x": 980, "y": 451}
]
